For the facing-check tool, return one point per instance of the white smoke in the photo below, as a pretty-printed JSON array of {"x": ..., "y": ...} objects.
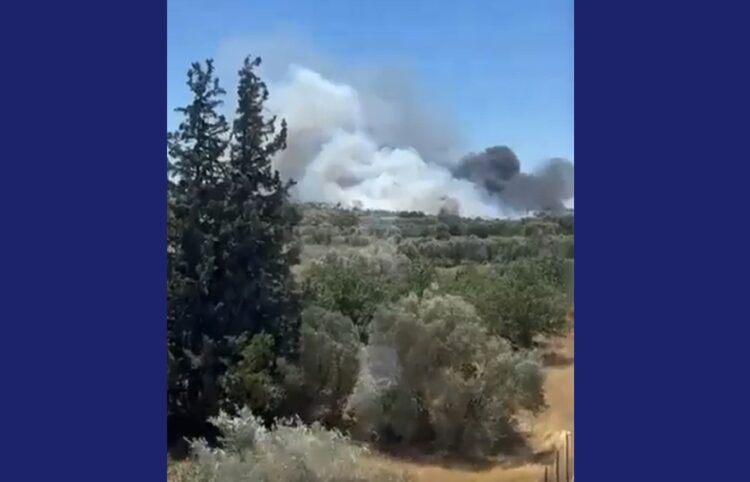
[{"x": 336, "y": 151}]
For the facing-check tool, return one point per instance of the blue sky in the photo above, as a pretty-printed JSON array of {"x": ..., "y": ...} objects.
[{"x": 502, "y": 68}]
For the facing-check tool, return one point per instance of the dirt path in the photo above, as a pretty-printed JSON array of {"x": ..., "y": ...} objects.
[{"x": 548, "y": 432}]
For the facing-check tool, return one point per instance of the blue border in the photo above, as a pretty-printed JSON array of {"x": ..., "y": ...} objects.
[
  {"x": 661, "y": 128},
  {"x": 83, "y": 203},
  {"x": 661, "y": 171}
]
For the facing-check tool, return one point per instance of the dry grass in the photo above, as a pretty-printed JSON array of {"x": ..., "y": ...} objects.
[{"x": 437, "y": 473}]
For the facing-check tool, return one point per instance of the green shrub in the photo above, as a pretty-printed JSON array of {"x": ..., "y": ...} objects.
[
  {"x": 319, "y": 384},
  {"x": 287, "y": 452},
  {"x": 357, "y": 240},
  {"x": 535, "y": 228},
  {"x": 353, "y": 285},
  {"x": 478, "y": 229},
  {"x": 322, "y": 234},
  {"x": 420, "y": 274},
  {"x": 252, "y": 381},
  {"x": 411, "y": 214},
  {"x": 433, "y": 375},
  {"x": 442, "y": 231},
  {"x": 566, "y": 224},
  {"x": 518, "y": 300},
  {"x": 344, "y": 218}
]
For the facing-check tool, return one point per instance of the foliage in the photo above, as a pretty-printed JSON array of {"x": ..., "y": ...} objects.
[
  {"x": 536, "y": 228},
  {"x": 566, "y": 224},
  {"x": 457, "y": 250},
  {"x": 259, "y": 286},
  {"x": 252, "y": 380},
  {"x": 478, "y": 229},
  {"x": 518, "y": 300},
  {"x": 420, "y": 274},
  {"x": 442, "y": 231},
  {"x": 357, "y": 239},
  {"x": 322, "y": 234},
  {"x": 287, "y": 452},
  {"x": 353, "y": 285},
  {"x": 328, "y": 365},
  {"x": 229, "y": 241},
  {"x": 411, "y": 214},
  {"x": 384, "y": 230},
  {"x": 436, "y": 376},
  {"x": 196, "y": 193},
  {"x": 344, "y": 218}
]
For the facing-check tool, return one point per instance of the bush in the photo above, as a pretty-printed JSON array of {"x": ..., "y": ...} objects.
[
  {"x": 566, "y": 224},
  {"x": 519, "y": 300},
  {"x": 454, "y": 251},
  {"x": 343, "y": 218},
  {"x": 252, "y": 381},
  {"x": 354, "y": 285},
  {"x": 505, "y": 228},
  {"x": 478, "y": 229},
  {"x": 357, "y": 240},
  {"x": 420, "y": 274},
  {"x": 384, "y": 230},
  {"x": 535, "y": 228},
  {"x": 288, "y": 452},
  {"x": 433, "y": 375},
  {"x": 567, "y": 248},
  {"x": 442, "y": 231},
  {"x": 328, "y": 366},
  {"x": 411, "y": 214},
  {"x": 322, "y": 234}
]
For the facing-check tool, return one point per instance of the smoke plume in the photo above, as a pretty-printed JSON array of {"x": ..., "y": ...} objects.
[
  {"x": 498, "y": 171},
  {"x": 492, "y": 168},
  {"x": 363, "y": 137},
  {"x": 345, "y": 146}
]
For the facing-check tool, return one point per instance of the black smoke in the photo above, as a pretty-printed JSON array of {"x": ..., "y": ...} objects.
[{"x": 498, "y": 171}]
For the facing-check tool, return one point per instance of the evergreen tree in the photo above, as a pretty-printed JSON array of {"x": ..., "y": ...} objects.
[
  {"x": 196, "y": 203},
  {"x": 230, "y": 230},
  {"x": 260, "y": 287}
]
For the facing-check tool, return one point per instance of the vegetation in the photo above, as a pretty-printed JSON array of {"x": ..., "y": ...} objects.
[
  {"x": 452, "y": 386},
  {"x": 354, "y": 285},
  {"x": 328, "y": 365},
  {"x": 287, "y": 452},
  {"x": 518, "y": 300},
  {"x": 394, "y": 329},
  {"x": 229, "y": 262}
]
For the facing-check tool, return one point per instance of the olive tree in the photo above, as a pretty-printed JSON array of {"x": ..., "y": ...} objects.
[{"x": 435, "y": 375}]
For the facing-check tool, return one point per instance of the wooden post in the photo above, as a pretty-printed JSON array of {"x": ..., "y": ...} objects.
[
  {"x": 557, "y": 466},
  {"x": 545, "y": 473},
  {"x": 567, "y": 459}
]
